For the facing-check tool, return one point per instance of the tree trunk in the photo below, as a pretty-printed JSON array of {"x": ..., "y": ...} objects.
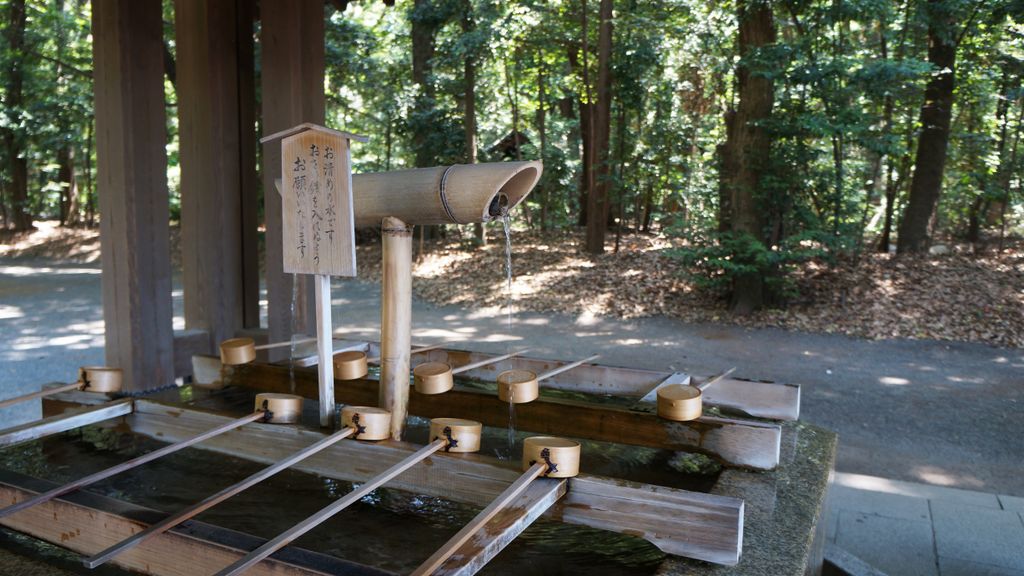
[
  {"x": 748, "y": 146},
  {"x": 13, "y": 139},
  {"x": 542, "y": 130},
  {"x": 425, "y": 25},
  {"x": 597, "y": 198},
  {"x": 936, "y": 114},
  {"x": 469, "y": 122},
  {"x": 69, "y": 189}
]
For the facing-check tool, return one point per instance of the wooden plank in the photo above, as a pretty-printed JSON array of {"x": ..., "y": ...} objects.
[
  {"x": 328, "y": 512},
  {"x": 703, "y": 526},
  {"x": 131, "y": 135},
  {"x": 505, "y": 527},
  {"x": 316, "y": 205},
  {"x": 675, "y": 378},
  {"x": 758, "y": 399},
  {"x": 125, "y": 466},
  {"x": 245, "y": 16},
  {"x": 86, "y": 523},
  {"x": 210, "y": 151},
  {"x": 211, "y": 501},
  {"x": 743, "y": 397},
  {"x": 740, "y": 443},
  {"x": 292, "y": 92},
  {"x": 69, "y": 420},
  {"x": 479, "y": 521},
  {"x": 188, "y": 343}
]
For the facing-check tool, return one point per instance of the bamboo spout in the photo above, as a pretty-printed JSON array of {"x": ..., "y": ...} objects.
[{"x": 458, "y": 194}]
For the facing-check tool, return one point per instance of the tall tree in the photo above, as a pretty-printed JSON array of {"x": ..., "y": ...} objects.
[
  {"x": 13, "y": 131},
  {"x": 597, "y": 194},
  {"x": 747, "y": 149},
  {"x": 936, "y": 114},
  {"x": 469, "y": 97}
]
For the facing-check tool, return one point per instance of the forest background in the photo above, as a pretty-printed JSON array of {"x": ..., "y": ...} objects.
[{"x": 829, "y": 165}]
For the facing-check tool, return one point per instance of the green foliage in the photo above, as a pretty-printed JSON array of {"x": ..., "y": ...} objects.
[{"x": 716, "y": 259}]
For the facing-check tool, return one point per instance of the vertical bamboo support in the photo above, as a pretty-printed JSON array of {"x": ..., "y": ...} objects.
[{"x": 395, "y": 321}]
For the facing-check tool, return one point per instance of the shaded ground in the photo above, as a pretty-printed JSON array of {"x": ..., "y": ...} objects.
[{"x": 957, "y": 297}]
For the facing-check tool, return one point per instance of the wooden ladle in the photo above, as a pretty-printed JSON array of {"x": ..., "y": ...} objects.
[
  {"x": 282, "y": 408},
  {"x": 353, "y": 364},
  {"x": 543, "y": 456},
  {"x": 449, "y": 434},
  {"x": 368, "y": 422},
  {"x": 438, "y": 377},
  {"x": 521, "y": 386},
  {"x": 100, "y": 379},
  {"x": 685, "y": 402}
]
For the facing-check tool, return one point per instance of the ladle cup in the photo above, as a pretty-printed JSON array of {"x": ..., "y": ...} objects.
[
  {"x": 449, "y": 434},
  {"x": 438, "y": 377},
  {"x": 543, "y": 456},
  {"x": 353, "y": 364},
  {"x": 685, "y": 402},
  {"x": 236, "y": 351},
  {"x": 522, "y": 386},
  {"x": 99, "y": 379}
]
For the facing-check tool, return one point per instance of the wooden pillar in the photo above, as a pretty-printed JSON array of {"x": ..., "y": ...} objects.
[
  {"x": 246, "y": 16},
  {"x": 213, "y": 165},
  {"x": 131, "y": 136},
  {"x": 292, "y": 88},
  {"x": 395, "y": 321}
]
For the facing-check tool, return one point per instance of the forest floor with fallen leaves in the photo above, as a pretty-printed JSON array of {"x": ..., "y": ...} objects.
[{"x": 957, "y": 296}]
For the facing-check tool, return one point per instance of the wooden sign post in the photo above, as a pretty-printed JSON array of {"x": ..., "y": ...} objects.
[{"x": 318, "y": 226}]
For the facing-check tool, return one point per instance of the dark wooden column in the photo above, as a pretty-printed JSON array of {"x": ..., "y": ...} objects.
[
  {"x": 216, "y": 170},
  {"x": 131, "y": 136},
  {"x": 292, "y": 47}
]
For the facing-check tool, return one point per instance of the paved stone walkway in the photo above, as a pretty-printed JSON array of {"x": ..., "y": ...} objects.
[{"x": 905, "y": 528}]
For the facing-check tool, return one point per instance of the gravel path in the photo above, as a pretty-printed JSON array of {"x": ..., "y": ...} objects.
[{"x": 923, "y": 411}]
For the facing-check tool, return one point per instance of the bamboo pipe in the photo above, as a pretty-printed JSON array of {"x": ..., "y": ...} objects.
[
  {"x": 90, "y": 378},
  {"x": 522, "y": 386},
  {"x": 456, "y": 194},
  {"x": 170, "y": 522},
  {"x": 396, "y": 320},
  {"x": 682, "y": 402},
  {"x": 542, "y": 456},
  {"x": 459, "y": 194},
  {"x": 437, "y": 377},
  {"x": 134, "y": 462},
  {"x": 282, "y": 540}
]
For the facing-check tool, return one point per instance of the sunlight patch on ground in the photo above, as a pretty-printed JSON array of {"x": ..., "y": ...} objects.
[{"x": 22, "y": 271}]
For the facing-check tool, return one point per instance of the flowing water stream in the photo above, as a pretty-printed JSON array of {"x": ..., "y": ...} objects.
[{"x": 506, "y": 223}]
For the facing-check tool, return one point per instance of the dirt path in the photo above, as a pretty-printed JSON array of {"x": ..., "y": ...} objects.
[{"x": 918, "y": 410}]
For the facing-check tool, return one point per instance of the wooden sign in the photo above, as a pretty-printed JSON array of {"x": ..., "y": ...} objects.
[{"x": 318, "y": 225}]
